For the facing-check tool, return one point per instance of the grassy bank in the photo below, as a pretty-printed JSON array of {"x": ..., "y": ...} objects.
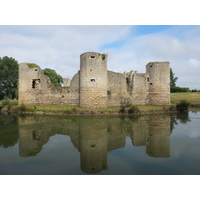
[
  {"x": 65, "y": 109},
  {"x": 191, "y": 97}
]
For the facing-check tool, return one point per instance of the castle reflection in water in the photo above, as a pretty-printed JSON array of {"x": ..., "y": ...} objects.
[{"x": 94, "y": 136}]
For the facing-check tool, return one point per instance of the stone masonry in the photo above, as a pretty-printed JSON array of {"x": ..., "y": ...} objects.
[{"x": 94, "y": 86}]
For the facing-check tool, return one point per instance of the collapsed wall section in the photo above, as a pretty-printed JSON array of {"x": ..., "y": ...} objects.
[
  {"x": 129, "y": 87},
  {"x": 138, "y": 87},
  {"x": 35, "y": 88}
]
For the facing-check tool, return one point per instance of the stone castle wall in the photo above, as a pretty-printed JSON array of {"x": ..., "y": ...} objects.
[
  {"x": 94, "y": 86},
  {"x": 116, "y": 88},
  {"x": 139, "y": 88},
  {"x": 35, "y": 89}
]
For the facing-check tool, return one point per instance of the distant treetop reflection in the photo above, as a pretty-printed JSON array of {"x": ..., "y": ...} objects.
[
  {"x": 8, "y": 131},
  {"x": 182, "y": 118}
]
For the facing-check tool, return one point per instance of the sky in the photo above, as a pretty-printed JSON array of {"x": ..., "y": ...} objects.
[{"x": 129, "y": 47}]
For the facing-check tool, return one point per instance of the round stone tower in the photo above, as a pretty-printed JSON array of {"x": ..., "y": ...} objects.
[
  {"x": 93, "y": 80},
  {"x": 159, "y": 83}
]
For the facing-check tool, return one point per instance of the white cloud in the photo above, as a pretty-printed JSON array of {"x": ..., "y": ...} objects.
[
  {"x": 178, "y": 45},
  {"x": 57, "y": 47}
]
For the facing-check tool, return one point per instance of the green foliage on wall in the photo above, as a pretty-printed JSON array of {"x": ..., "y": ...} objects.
[
  {"x": 55, "y": 78},
  {"x": 103, "y": 56},
  {"x": 32, "y": 65}
]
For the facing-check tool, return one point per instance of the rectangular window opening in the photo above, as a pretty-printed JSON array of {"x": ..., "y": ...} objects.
[
  {"x": 92, "y": 79},
  {"x": 127, "y": 80},
  {"x": 35, "y": 83},
  {"x": 35, "y": 136},
  {"x": 92, "y": 56}
]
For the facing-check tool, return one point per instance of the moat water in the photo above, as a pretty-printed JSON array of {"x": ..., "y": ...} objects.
[{"x": 102, "y": 145}]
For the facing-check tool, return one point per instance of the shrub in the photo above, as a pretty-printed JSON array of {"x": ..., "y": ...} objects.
[
  {"x": 122, "y": 110},
  {"x": 5, "y": 102},
  {"x": 74, "y": 110},
  {"x": 182, "y": 106},
  {"x": 22, "y": 108},
  {"x": 172, "y": 108},
  {"x": 125, "y": 102},
  {"x": 68, "y": 111},
  {"x": 133, "y": 109}
]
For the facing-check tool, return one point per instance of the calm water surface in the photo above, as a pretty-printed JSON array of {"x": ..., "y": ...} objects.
[{"x": 139, "y": 145}]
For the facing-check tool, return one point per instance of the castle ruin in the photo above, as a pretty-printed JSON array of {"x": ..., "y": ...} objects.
[{"x": 94, "y": 86}]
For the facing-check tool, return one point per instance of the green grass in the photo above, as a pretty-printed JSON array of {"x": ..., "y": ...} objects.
[
  {"x": 78, "y": 110},
  {"x": 191, "y": 97},
  {"x": 182, "y": 93},
  {"x": 66, "y": 109},
  {"x": 188, "y": 99},
  {"x": 10, "y": 102}
]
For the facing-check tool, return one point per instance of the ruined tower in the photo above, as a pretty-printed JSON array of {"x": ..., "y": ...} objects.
[
  {"x": 93, "y": 80},
  {"x": 159, "y": 83}
]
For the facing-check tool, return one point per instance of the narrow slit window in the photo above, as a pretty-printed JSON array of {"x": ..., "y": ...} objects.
[
  {"x": 92, "y": 56},
  {"x": 148, "y": 79}
]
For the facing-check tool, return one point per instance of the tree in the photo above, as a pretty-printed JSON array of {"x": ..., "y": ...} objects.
[
  {"x": 55, "y": 78},
  {"x": 8, "y": 77},
  {"x": 172, "y": 79}
]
